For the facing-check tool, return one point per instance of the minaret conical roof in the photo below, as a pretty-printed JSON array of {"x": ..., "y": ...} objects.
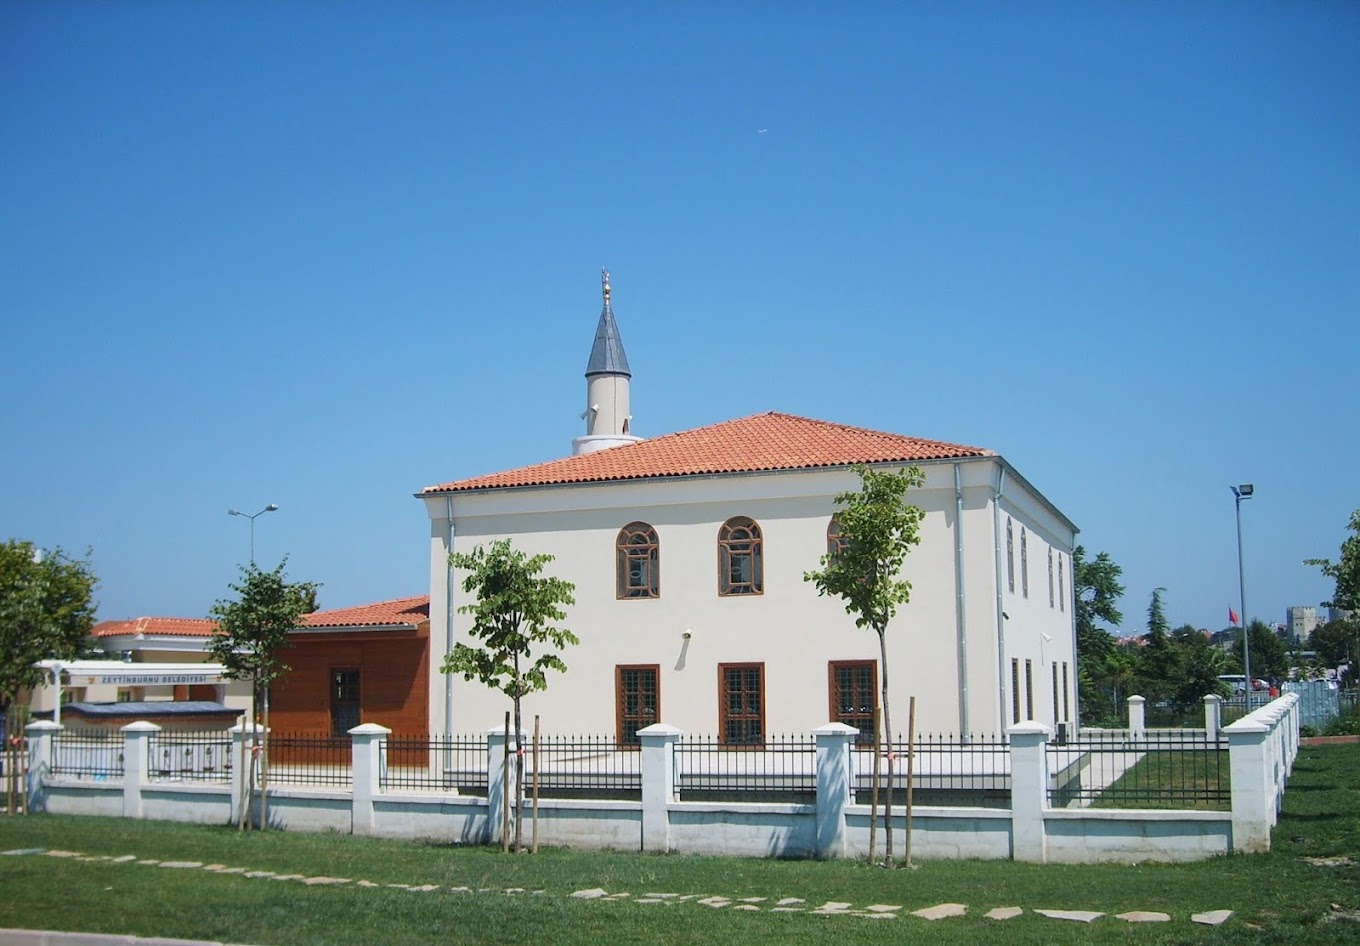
[{"x": 607, "y": 355}]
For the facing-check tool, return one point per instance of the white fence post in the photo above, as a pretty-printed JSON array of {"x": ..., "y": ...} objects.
[
  {"x": 1137, "y": 717},
  {"x": 41, "y": 735},
  {"x": 1253, "y": 796},
  {"x": 136, "y": 764},
  {"x": 1213, "y": 716},
  {"x": 658, "y": 784},
  {"x": 1029, "y": 791},
  {"x": 833, "y": 786},
  {"x": 367, "y": 747}
]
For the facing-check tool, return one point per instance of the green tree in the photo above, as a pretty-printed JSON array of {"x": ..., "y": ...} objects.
[
  {"x": 1269, "y": 655},
  {"x": 1201, "y": 664},
  {"x": 1096, "y": 590},
  {"x": 1336, "y": 643},
  {"x": 877, "y": 530},
  {"x": 46, "y": 612},
  {"x": 514, "y": 611},
  {"x": 1160, "y": 670},
  {"x": 1345, "y": 571},
  {"x": 251, "y": 630}
]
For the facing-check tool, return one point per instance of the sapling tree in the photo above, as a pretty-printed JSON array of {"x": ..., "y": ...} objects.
[
  {"x": 515, "y": 608},
  {"x": 251, "y": 630},
  {"x": 877, "y": 530}
]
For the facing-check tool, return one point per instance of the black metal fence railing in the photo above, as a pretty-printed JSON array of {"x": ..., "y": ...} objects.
[
  {"x": 783, "y": 768},
  {"x": 310, "y": 760},
  {"x": 92, "y": 755},
  {"x": 434, "y": 763},
  {"x": 190, "y": 756},
  {"x": 947, "y": 770},
  {"x": 585, "y": 767},
  {"x": 1157, "y": 769}
]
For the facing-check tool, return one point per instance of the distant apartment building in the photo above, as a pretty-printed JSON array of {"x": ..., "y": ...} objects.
[{"x": 1300, "y": 621}]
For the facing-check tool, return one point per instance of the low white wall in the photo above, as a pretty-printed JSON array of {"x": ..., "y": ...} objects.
[
  {"x": 83, "y": 797},
  {"x": 1080, "y": 836},
  {"x": 936, "y": 832},
  {"x": 298, "y": 809},
  {"x": 199, "y": 804},
  {"x": 746, "y": 830},
  {"x": 459, "y": 820}
]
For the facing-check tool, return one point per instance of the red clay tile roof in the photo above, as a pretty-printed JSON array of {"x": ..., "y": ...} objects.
[
  {"x": 156, "y": 627},
  {"x": 398, "y": 611},
  {"x": 771, "y": 441}
]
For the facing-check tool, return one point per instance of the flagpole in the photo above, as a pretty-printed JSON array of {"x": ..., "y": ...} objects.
[{"x": 1240, "y": 494}]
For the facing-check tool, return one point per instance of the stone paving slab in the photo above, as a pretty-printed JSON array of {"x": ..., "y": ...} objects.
[
  {"x": 1078, "y": 916},
  {"x": 1212, "y": 918},
  {"x": 942, "y": 911},
  {"x": 1003, "y": 913},
  {"x": 1144, "y": 916}
]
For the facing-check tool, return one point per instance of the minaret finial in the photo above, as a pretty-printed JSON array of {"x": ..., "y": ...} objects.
[{"x": 604, "y": 281}]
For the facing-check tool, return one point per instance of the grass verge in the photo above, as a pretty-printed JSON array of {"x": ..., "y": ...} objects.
[{"x": 1280, "y": 897}]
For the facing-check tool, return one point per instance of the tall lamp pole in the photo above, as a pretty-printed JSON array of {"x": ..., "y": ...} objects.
[
  {"x": 1240, "y": 493},
  {"x": 273, "y": 507}
]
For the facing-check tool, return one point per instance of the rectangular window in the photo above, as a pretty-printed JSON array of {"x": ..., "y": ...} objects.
[
  {"x": 1067, "y": 706},
  {"x": 1029, "y": 688},
  {"x": 637, "y": 700},
  {"x": 1056, "y": 717},
  {"x": 853, "y": 686},
  {"x": 741, "y": 704},
  {"x": 1050, "y": 578},
  {"x": 344, "y": 701},
  {"x": 1062, "y": 594},
  {"x": 1015, "y": 689}
]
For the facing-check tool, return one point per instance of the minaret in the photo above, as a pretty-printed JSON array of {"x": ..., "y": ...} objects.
[{"x": 608, "y": 423}]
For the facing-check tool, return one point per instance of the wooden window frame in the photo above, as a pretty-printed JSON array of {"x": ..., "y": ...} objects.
[
  {"x": 723, "y": 715},
  {"x": 626, "y": 551},
  {"x": 836, "y": 543},
  {"x": 620, "y": 717},
  {"x": 866, "y": 734},
  {"x": 756, "y": 538}
]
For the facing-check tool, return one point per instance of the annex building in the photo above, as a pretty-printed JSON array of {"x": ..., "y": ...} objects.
[{"x": 688, "y": 551}]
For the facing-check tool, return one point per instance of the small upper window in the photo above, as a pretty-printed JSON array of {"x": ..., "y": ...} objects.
[
  {"x": 1010, "y": 555},
  {"x": 836, "y": 542},
  {"x": 638, "y": 560},
  {"x": 1024, "y": 562},
  {"x": 741, "y": 561}
]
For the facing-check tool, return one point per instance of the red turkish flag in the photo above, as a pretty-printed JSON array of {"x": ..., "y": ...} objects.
[{"x": 1233, "y": 618}]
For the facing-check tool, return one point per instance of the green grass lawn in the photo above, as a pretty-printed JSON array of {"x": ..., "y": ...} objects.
[
  {"x": 1279, "y": 897},
  {"x": 1196, "y": 780}
]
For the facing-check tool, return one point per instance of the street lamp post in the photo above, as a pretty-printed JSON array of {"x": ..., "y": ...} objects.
[
  {"x": 273, "y": 507},
  {"x": 1240, "y": 493}
]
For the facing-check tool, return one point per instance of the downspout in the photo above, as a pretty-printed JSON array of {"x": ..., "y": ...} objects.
[
  {"x": 959, "y": 602},
  {"x": 1000, "y": 602},
  {"x": 448, "y": 618},
  {"x": 56, "y": 685}
]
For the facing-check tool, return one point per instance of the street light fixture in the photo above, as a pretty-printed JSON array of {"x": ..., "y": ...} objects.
[
  {"x": 272, "y": 507},
  {"x": 1240, "y": 493}
]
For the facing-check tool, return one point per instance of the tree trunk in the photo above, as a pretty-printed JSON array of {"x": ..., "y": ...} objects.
[
  {"x": 264, "y": 765},
  {"x": 873, "y": 790},
  {"x": 887, "y": 729},
  {"x": 519, "y": 767}
]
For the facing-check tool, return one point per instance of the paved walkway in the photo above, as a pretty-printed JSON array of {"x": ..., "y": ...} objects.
[{"x": 659, "y": 900}]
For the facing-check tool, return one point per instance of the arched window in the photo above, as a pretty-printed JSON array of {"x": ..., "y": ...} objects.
[
  {"x": 835, "y": 542},
  {"x": 1024, "y": 563},
  {"x": 1010, "y": 556},
  {"x": 638, "y": 562},
  {"x": 741, "y": 562}
]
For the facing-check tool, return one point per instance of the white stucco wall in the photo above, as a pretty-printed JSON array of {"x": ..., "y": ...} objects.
[{"x": 789, "y": 629}]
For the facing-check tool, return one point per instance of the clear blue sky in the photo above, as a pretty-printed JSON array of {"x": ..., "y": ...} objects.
[{"x": 325, "y": 254}]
